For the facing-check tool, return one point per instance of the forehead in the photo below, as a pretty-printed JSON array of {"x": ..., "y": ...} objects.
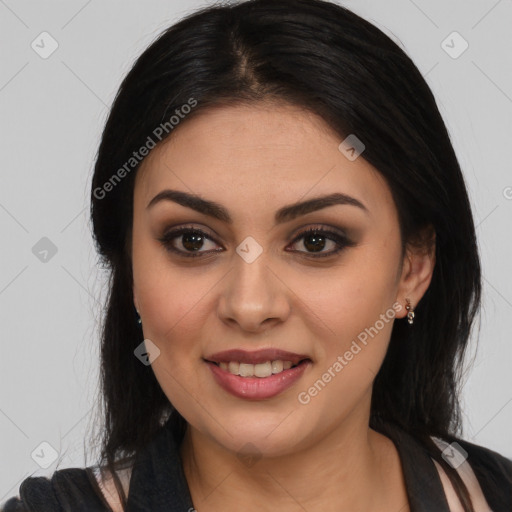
[{"x": 258, "y": 155}]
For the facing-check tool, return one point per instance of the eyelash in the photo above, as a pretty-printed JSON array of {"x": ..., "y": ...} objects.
[{"x": 342, "y": 241}]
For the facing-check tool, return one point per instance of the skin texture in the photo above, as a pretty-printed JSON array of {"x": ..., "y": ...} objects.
[{"x": 253, "y": 160}]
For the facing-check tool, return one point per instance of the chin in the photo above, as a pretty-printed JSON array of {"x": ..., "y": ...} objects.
[{"x": 268, "y": 435}]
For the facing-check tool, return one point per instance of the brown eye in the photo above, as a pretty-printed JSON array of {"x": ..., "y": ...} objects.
[
  {"x": 315, "y": 240},
  {"x": 192, "y": 241}
]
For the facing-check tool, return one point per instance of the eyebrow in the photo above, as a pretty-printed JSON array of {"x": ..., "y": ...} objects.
[{"x": 284, "y": 214}]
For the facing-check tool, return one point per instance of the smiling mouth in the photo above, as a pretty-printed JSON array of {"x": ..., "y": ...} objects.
[{"x": 261, "y": 370}]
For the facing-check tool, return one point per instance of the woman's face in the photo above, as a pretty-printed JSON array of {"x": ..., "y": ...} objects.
[{"x": 256, "y": 284}]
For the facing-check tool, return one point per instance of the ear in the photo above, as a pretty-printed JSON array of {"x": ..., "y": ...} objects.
[{"x": 417, "y": 269}]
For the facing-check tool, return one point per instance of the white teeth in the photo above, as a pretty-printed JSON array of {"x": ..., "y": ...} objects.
[
  {"x": 277, "y": 366},
  {"x": 246, "y": 370},
  {"x": 261, "y": 370},
  {"x": 233, "y": 367}
]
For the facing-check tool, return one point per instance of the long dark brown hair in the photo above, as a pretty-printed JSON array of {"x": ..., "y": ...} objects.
[{"x": 328, "y": 60}]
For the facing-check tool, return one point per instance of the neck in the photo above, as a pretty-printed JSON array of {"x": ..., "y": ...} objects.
[{"x": 351, "y": 468}]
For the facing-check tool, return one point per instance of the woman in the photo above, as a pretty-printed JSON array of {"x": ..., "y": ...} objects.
[{"x": 289, "y": 232}]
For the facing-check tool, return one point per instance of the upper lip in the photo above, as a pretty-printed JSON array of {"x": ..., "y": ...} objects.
[{"x": 255, "y": 357}]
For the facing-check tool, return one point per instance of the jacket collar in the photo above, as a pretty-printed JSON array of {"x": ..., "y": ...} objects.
[{"x": 158, "y": 483}]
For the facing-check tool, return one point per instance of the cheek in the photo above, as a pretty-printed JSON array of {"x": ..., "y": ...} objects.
[
  {"x": 174, "y": 304},
  {"x": 175, "y": 311},
  {"x": 172, "y": 298},
  {"x": 352, "y": 296},
  {"x": 356, "y": 305},
  {"x": 349, "y": 361}
]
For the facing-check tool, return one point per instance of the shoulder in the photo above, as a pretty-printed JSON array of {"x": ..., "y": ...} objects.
[
  {"x": 67, "y": 489},
  {"x": 489, "y": 460},
  {"x": 493, "y": 470},
  {"x": 486, "y": 472}
]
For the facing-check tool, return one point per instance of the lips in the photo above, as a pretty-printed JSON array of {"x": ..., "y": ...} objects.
[
  {"x": 253, "y": 381},
  {"x": 256, "y": 357}
]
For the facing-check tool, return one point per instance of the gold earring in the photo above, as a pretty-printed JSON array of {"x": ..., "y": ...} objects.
[{"x": 410, "y": 311}]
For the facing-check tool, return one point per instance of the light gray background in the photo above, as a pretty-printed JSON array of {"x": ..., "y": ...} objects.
[{"x": 51, "y": 114}]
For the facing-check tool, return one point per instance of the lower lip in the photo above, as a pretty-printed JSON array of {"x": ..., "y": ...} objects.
[{"x": 257, "y": 388}]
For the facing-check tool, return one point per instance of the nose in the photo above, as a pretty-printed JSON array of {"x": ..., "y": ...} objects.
[{"x": 253, "y": 298}]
